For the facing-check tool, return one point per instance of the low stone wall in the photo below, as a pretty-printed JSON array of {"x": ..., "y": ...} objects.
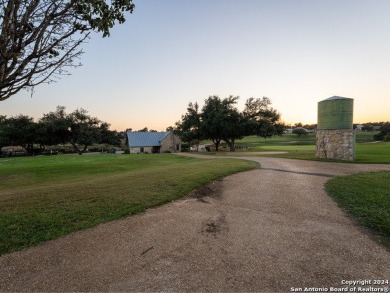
[{"x": 336, "y": 144}]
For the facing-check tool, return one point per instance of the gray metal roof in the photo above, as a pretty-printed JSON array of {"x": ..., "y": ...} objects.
[
  {"x": 145, "y": 139},
  {"x": 338, "y": 98}
]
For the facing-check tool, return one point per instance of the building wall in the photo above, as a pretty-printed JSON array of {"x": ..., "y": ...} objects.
[
  {"x": 171, "y": 143},
  {"x": 336, "y": 144},
  {"x": 137, "y": 150}
]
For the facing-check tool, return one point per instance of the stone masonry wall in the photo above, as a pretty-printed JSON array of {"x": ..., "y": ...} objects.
[
  {"x": 137, "y": 150},
  {"x": 171, "y": 143},
  {"x": 336, "y": 144}
]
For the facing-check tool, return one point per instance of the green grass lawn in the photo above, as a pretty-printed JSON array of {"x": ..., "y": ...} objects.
[
  {"x": 286, "y": 139},
  {"x": 373, "y": 152},
  {"x": 304, "y": 147},
  {"x": 366, "y": 197},
  {"x": 42, "y": 198},
  {"x": 365, "y": 152}
]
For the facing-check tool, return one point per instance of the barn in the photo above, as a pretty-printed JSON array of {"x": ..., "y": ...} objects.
[{"x": 153, "y": 142}]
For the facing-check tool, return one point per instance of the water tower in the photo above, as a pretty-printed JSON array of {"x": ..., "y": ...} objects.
[{"x": 335, "y": 135}]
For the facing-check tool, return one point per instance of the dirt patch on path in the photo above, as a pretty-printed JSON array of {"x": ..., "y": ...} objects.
[{"x": 211, "y": 190}]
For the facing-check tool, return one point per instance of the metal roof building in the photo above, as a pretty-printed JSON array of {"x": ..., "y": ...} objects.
[
  {"x": 153, "y": 142},
  {"x": 145, "y": 139}
]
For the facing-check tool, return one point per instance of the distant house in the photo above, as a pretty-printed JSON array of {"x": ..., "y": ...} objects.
[{"x": 153, "y": 142}]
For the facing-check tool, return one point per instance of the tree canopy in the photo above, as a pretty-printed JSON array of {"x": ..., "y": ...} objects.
[
  {"x": 384, "y": 132},
  {"x": 220, "y": 120},
  {"x": 40, "y": 39},
  {"x": 188, "y": 128},
  {"x": 19, "y": 131},
  {"x": 77, "y": 128}
]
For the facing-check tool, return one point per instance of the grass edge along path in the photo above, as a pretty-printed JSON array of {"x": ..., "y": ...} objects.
[
  {"x": 366, "y": 153},
  {"x": 365, "y": 197},
  {"x": 42, "y": 199}
]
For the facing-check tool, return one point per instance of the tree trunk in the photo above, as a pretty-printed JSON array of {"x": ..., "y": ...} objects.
[
  {"x": 231, "y": 145},
  {"x": 216, "y": 143},
  {"x": 76, "y": 148},
  {"x": 29, "y": 148},
  {"x": 83, "y": 151}
]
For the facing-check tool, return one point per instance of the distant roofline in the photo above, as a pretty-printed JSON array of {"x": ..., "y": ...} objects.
[{"x": 338, "y": 98}]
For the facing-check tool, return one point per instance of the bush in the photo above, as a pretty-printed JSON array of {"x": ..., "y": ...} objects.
[
  {"x": 185, "y": 147},
  {"x": 379, "y": 136},
  {"x": 384, "y": 133},
  {"x": 166, "y": 152},
  {"x": 299, "y": 131}
]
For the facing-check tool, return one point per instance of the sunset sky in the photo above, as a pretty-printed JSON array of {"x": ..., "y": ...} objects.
[{"x": 172, "y": 52}]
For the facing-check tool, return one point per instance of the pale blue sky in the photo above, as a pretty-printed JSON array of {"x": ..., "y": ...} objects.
[{"x": 171, "y": 52}]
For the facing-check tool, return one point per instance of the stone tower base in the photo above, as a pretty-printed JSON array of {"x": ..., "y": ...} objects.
[{"x": 336, "y": 144}]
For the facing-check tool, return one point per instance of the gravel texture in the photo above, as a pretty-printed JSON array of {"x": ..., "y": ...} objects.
[{"x": 267, "y": 230}]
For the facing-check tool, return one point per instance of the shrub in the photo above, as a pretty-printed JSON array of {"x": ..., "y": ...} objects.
[
  {"x": 384, "y": 133},
  {"x": 379, "y": 136},
  {"x": 299, "y": 131}
]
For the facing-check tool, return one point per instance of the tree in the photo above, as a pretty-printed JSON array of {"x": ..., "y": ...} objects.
[
  {"x": 3, "y": 139},
  {"x": 220, "y": 120},
  {"x": 299, "y": 131},
  {"x": 211, "y": 126},
  {"x": 54, "y": 127},
  {"x": 85, "y": 131},
  {"x": 368, "y": 127},
  {"x": 384, "y": 132},
  {"x": 40, "y": 39},
  {"x": 188, "y": 128},
  {"x": 77, "y": 128},
  {"x": 145, "y": 129},
  {"x": 311, "y": 127},
  {"x": 263, "y": 120},
  {"x": 19, "y": 131}
]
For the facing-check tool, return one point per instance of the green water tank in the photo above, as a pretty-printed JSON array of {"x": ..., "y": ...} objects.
[{"x": 335, "y": 113}]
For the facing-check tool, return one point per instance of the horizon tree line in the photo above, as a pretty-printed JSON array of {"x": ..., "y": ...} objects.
[{"x": 77, "y": 128}]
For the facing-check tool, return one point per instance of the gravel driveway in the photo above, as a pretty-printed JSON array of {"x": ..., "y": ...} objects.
[{"x": 272, "y": 229}]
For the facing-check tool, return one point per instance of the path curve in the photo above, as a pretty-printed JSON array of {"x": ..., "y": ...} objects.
[{"x": 267, "y": 230}]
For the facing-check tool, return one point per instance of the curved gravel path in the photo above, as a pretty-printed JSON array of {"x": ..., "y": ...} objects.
[{"x": 272, "y": 229}]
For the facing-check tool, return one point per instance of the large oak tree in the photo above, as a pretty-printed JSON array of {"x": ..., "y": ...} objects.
[
  {"x": 40, "y": 39},
  {"x": 188, "y": 128},
  {"x": 220, "y": 120}
]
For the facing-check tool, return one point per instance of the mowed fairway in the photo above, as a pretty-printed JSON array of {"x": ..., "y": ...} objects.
[
  {"x": 43, "y": 198},
  {"x": 304, "y": 147}
]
